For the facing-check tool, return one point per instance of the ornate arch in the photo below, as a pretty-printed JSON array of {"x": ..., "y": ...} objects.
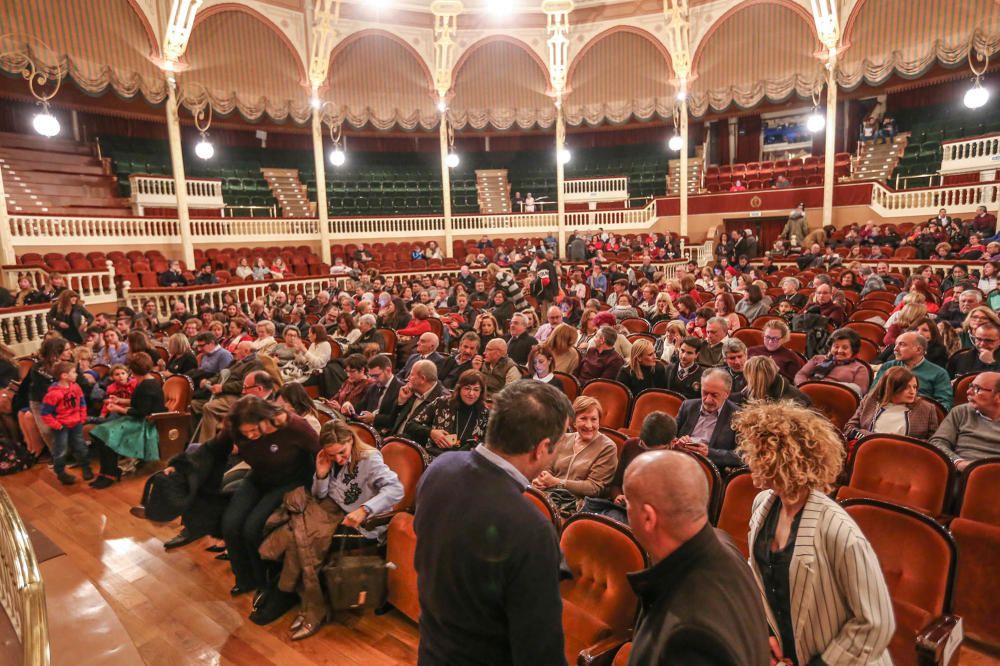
[
  {"x": 498, "y": 82},
  {"x": 628, "y": 78},
  {"x": 154, "y": 41},
  {"x": 480, "y": 43},
  {"x": 740, "y": 72},
  {"x": 206, "y": 14},
  {"x": 378, "y": 32}
]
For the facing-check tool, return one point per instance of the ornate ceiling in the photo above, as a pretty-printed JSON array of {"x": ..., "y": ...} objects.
[{"x": 252, "y": 57}]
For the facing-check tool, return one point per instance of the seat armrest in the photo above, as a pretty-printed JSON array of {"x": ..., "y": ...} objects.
[
  {"x": 601, "y": 653},
  {"x": 379, "y": 519},
  {"x": 938, "y": 643}
]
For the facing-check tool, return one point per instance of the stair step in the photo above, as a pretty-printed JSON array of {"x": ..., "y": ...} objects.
[{"x": 41, "y": 144}]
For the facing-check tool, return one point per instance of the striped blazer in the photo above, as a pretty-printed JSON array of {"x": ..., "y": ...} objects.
[{"x": 841, "y": 610}]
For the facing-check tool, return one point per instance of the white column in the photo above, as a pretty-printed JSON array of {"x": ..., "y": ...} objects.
[
  {"x": 180, "y": 185},
  {"x": 684, "y": 169},
  {"x": 831, "y": 146},
  {"x": 445, "y": 182},
  {"x": 322, "y": 215},
  {"x": 560, "y": 181},
  {"x": 6, "y": 241}
]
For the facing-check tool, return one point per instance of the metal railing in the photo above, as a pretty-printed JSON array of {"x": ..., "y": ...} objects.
[{"x": 22, "y": 592}]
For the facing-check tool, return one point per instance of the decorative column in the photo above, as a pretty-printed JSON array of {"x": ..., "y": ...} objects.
[
  {"x": 177, "y": 163},
  {"x": 445, "y": 26},
  {"x": 6, "y": 241},
  {"x": 828, "y": 28},
  {"x": 322, "y": 214},
  {"x": 324, "y": 15},
  {"x": 678, "y": 37},
  {"x": 557, "y": 25},
  {"x": 175, "y": 41}
]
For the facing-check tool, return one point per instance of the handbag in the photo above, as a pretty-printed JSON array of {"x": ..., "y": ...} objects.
[{"x": 356, "y": 581}]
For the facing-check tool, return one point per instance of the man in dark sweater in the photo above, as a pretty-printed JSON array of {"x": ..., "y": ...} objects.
[
  {"x": 520, "y": 343},
  {"x": 487, "y": 560},
  {"x": 698, "y": 602}
]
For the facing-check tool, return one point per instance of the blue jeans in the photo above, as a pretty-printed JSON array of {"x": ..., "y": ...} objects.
[{"x": 65, "y": 439}]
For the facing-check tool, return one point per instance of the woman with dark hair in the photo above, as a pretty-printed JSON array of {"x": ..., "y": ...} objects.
[
  {"x": 936, "y": 351},
  {"x": 503, "y": 308},
  {"x": 542, "y": 364},
  {"x": 458, "y": 422},
  {"x": 131, "y": 435},
  {"x": 754, "y": 304},
  {"x": 314, "y": 357},
  {"x": 69, "y": 317},
  {"x": 572, "y": 309},
  {"x": 279, "y": 448},
  {"x": 894, "y": 407},
  {"x": 725, "y": 307},
  {"x": 138, "y": 341},
  {"x": 841, "y": 365},
  {"x": 347, "y": 331},
  {"x": 394, "y": 315},
  {"x": 236, "y": 332},
  {"x": 487, "y": 328},
  {"x": 849, "y": 281},
  {"x": 686, "y": 307},
  {"x": 356, "y": 385},
  {"x": 292, "y": 397}
]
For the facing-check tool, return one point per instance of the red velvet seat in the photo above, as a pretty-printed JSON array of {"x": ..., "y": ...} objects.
[
  {"x": 737, "y": 505},
  {"x": 615, "y": 399},
  {"x": 977, "y": 533},
  {"x": 917, "y": 556},
  {"x": 652, "y": 400},
  {"x": 835, "y": 401},
  {"x": 901, "y": 470}
]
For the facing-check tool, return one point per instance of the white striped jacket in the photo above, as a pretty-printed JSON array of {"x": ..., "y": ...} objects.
[{"x": 841, "y": 609}]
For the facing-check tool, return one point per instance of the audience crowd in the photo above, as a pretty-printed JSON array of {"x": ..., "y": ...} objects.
[{"x": 276, "y": 381}]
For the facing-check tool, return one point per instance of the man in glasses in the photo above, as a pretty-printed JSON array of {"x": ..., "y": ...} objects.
[
  {"x": 972, "y": 431},
  {"x": 984, "y": 358}
]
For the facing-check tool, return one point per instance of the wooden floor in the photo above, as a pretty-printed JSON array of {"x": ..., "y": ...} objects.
[{"x": 176, "y": 606}]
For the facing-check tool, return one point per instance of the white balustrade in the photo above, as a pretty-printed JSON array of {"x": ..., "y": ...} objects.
[
  {"x": 58, "y": 230},
  {"x": 94, "y": 287},
  {"x": 250, "y": 230},
  {"x": 160, "y": 192},
  {"x": 593, "y": 190},
  {"x": 245, "y": 292},
  {"x": 928, "y": 201},
  {"x": 981, "y": 153},
  {"x": 22, "y": 329}
]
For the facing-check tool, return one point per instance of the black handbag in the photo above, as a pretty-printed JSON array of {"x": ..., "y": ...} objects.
[{"x": 355, "y": 581}]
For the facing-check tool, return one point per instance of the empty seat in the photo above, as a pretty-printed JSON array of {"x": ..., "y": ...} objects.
[
  {"x": 614, "y": 398},
  {"x": 977, "y": 533}
]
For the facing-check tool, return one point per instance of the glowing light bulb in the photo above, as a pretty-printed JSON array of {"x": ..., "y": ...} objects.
[
  {"x": 565, "y": 156},
  {"x": 204, "y": 149},
  {"x": 977, "y": 96},
  {"x": 452, "y": 160},
  {"x": 816, "y": 122},
  {"x": 46, "y": 124},
  {"x": 675, "y": 143},
  {"x": 337, "y": 157}
]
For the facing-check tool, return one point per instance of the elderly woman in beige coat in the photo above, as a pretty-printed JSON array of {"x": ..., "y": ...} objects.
[{"x": 824, "y": 593}]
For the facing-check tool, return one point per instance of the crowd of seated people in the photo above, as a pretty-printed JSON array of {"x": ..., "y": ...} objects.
[{"x": 274, "y": 380}]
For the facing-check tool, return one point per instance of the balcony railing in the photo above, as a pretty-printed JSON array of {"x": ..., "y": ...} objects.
[
  {"x": 928, "y": 201},
  {"x": 94, "y": 287},
  {"x": 63, "y": 231},
  {"x": 160, "y": 192},
  {"x": 22, "y": 592},
  {"x": 981, "y": 153},
  {"x": 593, "y": 190}
]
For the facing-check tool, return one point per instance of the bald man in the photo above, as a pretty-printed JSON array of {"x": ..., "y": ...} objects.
[
  {"x": 699, "y": 604},
  {"x": 426, "y": 350},
  {"x": 497, "y": 368}
]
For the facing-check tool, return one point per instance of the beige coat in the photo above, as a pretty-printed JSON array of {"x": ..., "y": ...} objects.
[{"x": 841, "y": 609}]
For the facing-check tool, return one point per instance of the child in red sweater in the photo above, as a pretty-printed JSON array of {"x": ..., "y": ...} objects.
[
  {"x": 119, "y": 391},
  {"x": 65, "y": 411}
]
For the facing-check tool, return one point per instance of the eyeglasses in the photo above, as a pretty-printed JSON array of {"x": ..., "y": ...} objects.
[
  {"x": 984, "y": 341},
  {"x": 977, "y": 389},
  {"x": 771, "y": 338},
  {"x": 247, "y": 389}
]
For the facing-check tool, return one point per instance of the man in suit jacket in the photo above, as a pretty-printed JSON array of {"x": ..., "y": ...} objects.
[
  {"x": 427, "y": 345},
  {"x": 487, "y": 560},
  {"x": 699, "y": 603},
  {"x": 703, "y": 426},
  {"x": 684, "y": 377},
  {"x": 420, "y": 390},
  {"x": 379, "y": 401}
]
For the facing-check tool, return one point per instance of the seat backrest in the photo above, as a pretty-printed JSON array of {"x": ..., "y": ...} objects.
[
  {"x": 902, "y": 470},
  {"x": 177, "y": 393},
  {"x": 405, "y": 459},
  {"x": 737, "y": 505},
  {"x": 751, "y": 337},
  {"x": 835, "y": 401},
  {"x": 389, "y": 336},
  {"x": 635, "y": 325},
  {"x": 570, "y": 384},
  {"x": 616, "y": 436},
  {"x": 541, "y": 502},
  {"x": 960, "y": 387},
  {"x": 654, "y": 400},
  {"x": 714, "y": 478},
  {"x": 614, "y": 398},
  {"x": 599, "y": 552},
  {"x": 917, "y": 555},
  {"x": 366, "y": 433},
  {"x": 867, "y": 329},
  {"x": 981, "y": 479}
]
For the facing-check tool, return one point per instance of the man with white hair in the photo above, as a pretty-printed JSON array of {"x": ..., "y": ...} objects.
[
  {"x": 422, "y": 388},
  {"x": 427, "y": 345},
  {"x": 699, "y": 603},
  {"x": 553, "y": 318},
  {"x": 367, "y": 324},
  {"x": 716, "y": 333}
]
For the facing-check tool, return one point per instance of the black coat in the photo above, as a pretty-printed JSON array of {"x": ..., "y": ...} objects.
[
  {"x": 722, "y": 444},
  {"x": 651, "y": 378},
  {"x": 699, "y": 606}
]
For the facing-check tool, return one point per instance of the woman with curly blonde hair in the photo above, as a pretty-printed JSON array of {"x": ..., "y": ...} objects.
[{"x": 827, "y": 601}]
